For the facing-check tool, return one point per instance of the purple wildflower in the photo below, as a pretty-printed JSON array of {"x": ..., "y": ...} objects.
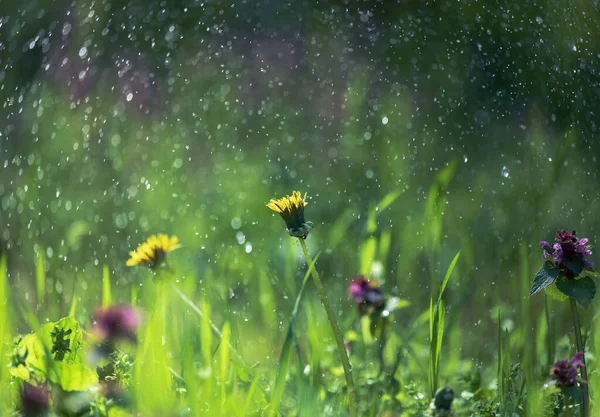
[
  {"x": 567, "y": 250},
  {"x": 366, "y": 294},
  {"x": 35, "y": 401},
  {"x": 564, "y": 372},
  {"x": 117, "y": 323}
]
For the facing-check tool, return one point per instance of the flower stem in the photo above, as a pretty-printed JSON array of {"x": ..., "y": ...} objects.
[
  {"x": 585, "y": 406},
  {"x": 337, "y": 332}
]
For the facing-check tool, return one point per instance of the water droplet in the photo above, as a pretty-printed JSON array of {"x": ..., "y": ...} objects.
[
  {"x": 505, "y": 173},
  {"x": 236, "y": 223}
]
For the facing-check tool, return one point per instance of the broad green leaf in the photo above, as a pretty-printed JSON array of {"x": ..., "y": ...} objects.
[
  {"x": 574, "y": 264},
  {"x": 546, "y": 276},
  {"x": 68, "y": 370},
  {"x": 581, "y": 290}
]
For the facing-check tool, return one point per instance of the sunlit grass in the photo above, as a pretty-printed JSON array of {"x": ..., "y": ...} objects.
[{"x": 196, "y": 335}]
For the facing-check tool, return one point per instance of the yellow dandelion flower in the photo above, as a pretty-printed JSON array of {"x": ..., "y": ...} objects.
[
  {"x": 152, "y": 252},
  {"x": 291, "y": 210}
]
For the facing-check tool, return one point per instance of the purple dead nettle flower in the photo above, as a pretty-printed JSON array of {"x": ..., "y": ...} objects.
[
  {"x": 366, "y": 293},
  {"x": 564, "y": 372},
  {"x": 568, "y": 247},
  {"x": 117, "y": 323}
]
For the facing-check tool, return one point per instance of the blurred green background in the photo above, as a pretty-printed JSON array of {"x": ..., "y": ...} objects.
[{"x": 121, "y": 119}]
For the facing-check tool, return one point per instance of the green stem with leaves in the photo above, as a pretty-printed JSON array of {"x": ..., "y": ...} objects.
[
  {"x": 585, "y": 403},
  {"x": 337, "y": 332}
]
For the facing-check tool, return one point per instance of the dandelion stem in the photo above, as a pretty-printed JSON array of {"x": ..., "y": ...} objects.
[
  {"x": 585, "y": 409},
  {"x": 337, "y": 332}
]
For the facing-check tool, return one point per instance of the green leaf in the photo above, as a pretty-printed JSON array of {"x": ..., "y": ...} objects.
[
  {"x": 572, "y": 392},
  {"x": 581, "y": 290},
  {"x": 546, "y": 276},
  {"x": 575, "y": 264},
  {"x": 71, "y": 372}
]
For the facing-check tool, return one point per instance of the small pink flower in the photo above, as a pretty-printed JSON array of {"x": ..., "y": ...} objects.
[{"x": 117, "y": 323}]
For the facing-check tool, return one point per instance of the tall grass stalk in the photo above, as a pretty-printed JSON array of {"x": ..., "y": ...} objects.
[
  {"x": 4, "y": 337},
  {"x": 106, "y": 290},
  {"x": 585, "y": 403},
  {"x": 40, "y": 279},
  {"x": 436, "y": 330},
  {"x": 337, "y": 332}
]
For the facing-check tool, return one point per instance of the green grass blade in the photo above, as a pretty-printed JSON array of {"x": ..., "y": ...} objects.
[
  {"x": 448, "y": 274},
  {"x": 284, "y": 357},
  {"x": 5, "y": 332},
  {"x": 106, "y": 291},
  {"x": 436, "y": 329},
  {"x": 388, "y": 200},
  {"x": 224, "y": 361},
  {"x": 439, "y": 338},
  {"x": 432, "y": 343},
  {"x": 339, "y": 228},
  {"x": 266, "y": 299},
  {"x": 73, "y": 305},
  {"x": 250, "y": 394},
  {"x": 29, "y": 316},
  {"x": 206, "y": 335},
  {"x": 40, "y": 278}
]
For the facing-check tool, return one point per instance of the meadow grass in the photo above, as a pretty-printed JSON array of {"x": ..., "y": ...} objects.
[{"x": 196, "y": 356}]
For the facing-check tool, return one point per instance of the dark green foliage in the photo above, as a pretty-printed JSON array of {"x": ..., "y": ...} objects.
[
  {"x": 545, "y": 277},
  {"x": 581, "y": 290}
]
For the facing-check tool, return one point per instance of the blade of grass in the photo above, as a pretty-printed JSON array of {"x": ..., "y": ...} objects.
[
  {"x": 436, "y": 330},
  {"x": 40, "y": 278},
  {"x": 284, "y": 357},
  {"x": 73, "y": 305},
  {"x": 5, "y": 331},
  {"x": 250, "y": 394},
  {"x": 106, "y": 291},
  {"x": 337, "y": 332},
  {"x": 500, "y": 364},
  {"x": 224, "y": 361}
]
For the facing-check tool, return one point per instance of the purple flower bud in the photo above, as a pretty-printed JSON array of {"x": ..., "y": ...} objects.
[
  {"x": 35, "y": 401},
  {"x": 366, "y": 293},
  {"x": 568, "y": 247},
  {"x": 117, "y": 323},
  {"x": 564, "y": 372}
]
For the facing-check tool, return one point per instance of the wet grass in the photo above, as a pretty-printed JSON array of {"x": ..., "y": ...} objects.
[{"x": 200, "y": 353}]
